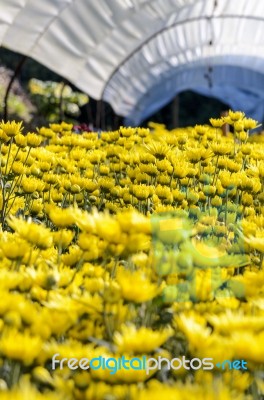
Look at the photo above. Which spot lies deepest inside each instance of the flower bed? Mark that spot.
(138, 243)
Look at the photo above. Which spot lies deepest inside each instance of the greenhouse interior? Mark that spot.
(131, 200)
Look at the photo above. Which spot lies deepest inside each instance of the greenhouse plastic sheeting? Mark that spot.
(138, 54)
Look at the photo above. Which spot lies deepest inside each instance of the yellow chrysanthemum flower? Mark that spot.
(136, 287)
(142, 340)
(37, 235)
(20, 346)
(11, 129)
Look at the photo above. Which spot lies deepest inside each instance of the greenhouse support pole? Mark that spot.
(225, 127)
(98, 114)
(89, 112)
(175, 112)
(10, 84)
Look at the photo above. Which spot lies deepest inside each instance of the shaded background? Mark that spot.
(188, 108)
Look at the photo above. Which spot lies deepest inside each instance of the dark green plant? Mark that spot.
(56, 100)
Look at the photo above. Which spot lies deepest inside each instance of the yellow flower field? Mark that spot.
(141, 242)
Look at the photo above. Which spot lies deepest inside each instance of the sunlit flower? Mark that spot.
(217, 122)
(133, 340)
(37, 235)
(18, 346)
(61, 217)
(14, 249)
(33, 140)
(136, 287)
(11, 129)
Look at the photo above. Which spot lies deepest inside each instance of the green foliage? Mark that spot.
(16, 106)
(56, 100)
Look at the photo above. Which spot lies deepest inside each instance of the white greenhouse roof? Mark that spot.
(138, 54)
